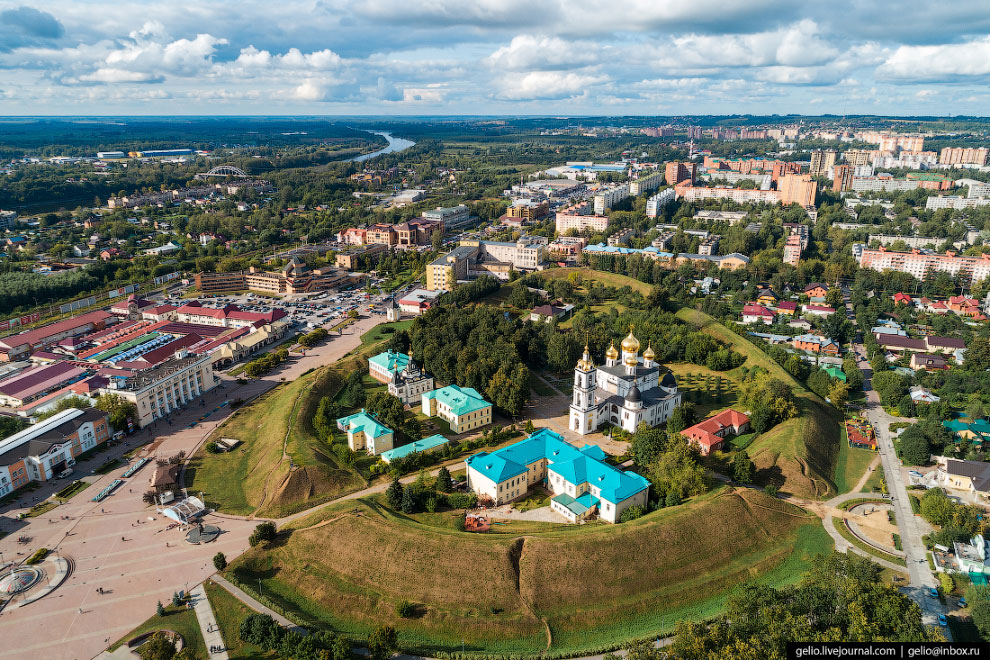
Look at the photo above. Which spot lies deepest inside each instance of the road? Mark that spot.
(921, 578)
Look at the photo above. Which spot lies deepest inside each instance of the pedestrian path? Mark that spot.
(240, 595)
(215, 649)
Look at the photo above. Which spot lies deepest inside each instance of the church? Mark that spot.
(624, 392)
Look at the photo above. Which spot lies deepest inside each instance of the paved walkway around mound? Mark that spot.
(215, 647)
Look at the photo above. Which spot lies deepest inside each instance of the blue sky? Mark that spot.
(493, 57)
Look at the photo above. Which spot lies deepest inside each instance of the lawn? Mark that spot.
(840, 525)
(607, 279)
(72, 490)
(538, 386)
(181, 620)
(536, 499)
(281, 467)
(802, 458)
(523, 579)
(851, 465)
(229, 613)
(380, 334)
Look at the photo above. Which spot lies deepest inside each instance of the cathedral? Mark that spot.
(623, 392)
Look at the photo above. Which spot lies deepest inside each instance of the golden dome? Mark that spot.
(630, 344)
(649, 354)
(612, 353)
(586, 363)
(631, 361)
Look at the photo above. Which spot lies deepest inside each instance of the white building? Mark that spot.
(169, 386)
(450, 216)
(609, 197)
(581, 481)
(658, 201)
(622, 393)
(410, 384)
(955, 202)
(646, 183)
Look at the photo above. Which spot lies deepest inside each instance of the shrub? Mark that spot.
(632, 513)
(462, 500)
(263, 533)
(219, 561)
(212, 448)
(37, 557)
(404, 609)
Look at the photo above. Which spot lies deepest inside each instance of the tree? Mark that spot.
(176, 599)
(219, 561)
(648, 444)
(562, 351)
(382, 643)
(677, 470)
(394, 494)
(388, 408)
(743, 469)
(445, 483)
(905, 407)
(263, 533)
(261, 630)
(914, 447)
(838, 393)
(936, 507)
(408, 504)
(160, 609)
(681, 417)
(120, 410)
(159, 647)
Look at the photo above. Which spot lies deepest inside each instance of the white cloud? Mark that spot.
(938, 62)
(526, 52)
(546, 85)
(112, 75)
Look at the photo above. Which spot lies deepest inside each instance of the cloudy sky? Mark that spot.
(493, 57)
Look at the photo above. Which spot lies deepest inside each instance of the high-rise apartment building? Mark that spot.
(797, 188)
(677, 172)
(842, 177)
(963, 156)
(822, 162)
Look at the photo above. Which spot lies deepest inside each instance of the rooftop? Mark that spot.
(460, 400)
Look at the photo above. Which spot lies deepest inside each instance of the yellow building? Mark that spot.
(461, 407)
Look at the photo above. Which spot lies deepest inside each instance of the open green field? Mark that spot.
(177, 619)
(851, 465)
(607, 279)
(229, 613)
(529, 588)
(379, 334)
(800, 456)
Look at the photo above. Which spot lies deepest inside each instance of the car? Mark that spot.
(941, 620)
(932, 592)
(65, 473)
(962, 602)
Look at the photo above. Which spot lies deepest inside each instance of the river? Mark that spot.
(394, 144)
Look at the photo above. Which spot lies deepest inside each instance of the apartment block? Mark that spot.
(822, 161)
(797, 188)
(675, 173)
(609, 197)
(580, 216)
(921, 264)
(963, 156)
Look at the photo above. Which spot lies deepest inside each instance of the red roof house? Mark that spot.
(710, 434)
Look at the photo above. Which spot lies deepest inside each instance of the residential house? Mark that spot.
(462, 407)
(547, 313)
(928, 362)
(903, 299)
(753, 313)
(816, 344)
(365, 432)
(767, 297)
(788, 307)
(419, 446)
(819, 310)
(816, 291)
(710, 434)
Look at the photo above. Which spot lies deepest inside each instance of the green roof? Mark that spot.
(390, 360)
(578, 506)
(460, 400)
(363, 421)
(835, 372)
(425, 444)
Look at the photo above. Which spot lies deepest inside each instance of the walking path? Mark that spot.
(215, 648)
(240, 595)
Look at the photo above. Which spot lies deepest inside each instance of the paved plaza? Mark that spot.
(121, 545)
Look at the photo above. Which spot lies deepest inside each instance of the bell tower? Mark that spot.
(583, 406)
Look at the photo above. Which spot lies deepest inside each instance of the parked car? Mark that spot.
(941, 620)
(65, 473)
(932, 592)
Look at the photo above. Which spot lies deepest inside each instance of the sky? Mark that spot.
(493, 57)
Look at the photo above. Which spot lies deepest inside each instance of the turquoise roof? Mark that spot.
(576, 466)
(461, 400)
(578, 506)
(835, 372)
(956, 425)
(363, 421)
(390, 360)
(425, 444)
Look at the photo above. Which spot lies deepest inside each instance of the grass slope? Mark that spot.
(803, 457)
(229, 613)
(276, 431)
(532, 587)
(177, 619)
(607, 279)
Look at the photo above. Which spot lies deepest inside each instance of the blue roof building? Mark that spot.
(364, 431)
(426, 444)
(581, 480)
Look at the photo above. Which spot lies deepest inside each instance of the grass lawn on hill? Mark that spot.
(379, 333)
(851, 464)
(607, 279)
(177, 619)
(807, 468)
(229, 613)
(515, 591)
(276, 431)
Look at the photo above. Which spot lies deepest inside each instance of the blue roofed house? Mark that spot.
(364, 431)
(384, 366)
(581, 481)
(462, 407)
(424, 445)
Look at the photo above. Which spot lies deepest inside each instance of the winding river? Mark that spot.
(394, 144)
